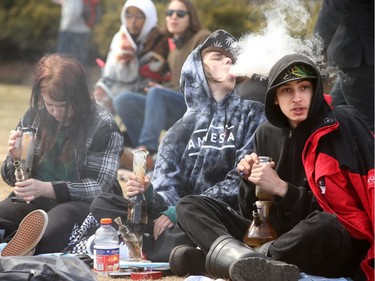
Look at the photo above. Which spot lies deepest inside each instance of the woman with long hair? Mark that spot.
(75, 156)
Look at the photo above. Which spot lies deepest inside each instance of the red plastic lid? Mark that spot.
(146, 275)
(105, 221)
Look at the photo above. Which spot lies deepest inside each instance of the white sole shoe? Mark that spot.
(28, 235)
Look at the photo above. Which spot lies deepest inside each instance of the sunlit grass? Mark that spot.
(14, 101)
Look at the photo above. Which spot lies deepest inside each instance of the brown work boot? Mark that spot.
(28, 235)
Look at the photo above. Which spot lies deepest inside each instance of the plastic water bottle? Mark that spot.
(106, 248)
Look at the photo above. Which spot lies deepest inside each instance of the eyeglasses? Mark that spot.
(179, 13)
(130, 16)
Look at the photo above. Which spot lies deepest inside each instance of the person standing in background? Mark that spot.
(145, 116)
(347, 29)
(74, 32)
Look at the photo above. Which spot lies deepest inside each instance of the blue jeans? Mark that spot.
(146, 116)
(74, 44)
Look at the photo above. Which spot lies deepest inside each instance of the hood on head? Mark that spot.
(193, 82)
(151, 17)
(221, 41)
(289, 68)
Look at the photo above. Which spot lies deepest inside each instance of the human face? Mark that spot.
(57, 109)
(135, 20)
(294, 99)
(177, 25)
(217, 66)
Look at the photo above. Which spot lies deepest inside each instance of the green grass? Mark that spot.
(14, 101)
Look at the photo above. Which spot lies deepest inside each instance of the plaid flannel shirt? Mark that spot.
(97, 162)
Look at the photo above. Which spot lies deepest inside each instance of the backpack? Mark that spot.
(46, 268)
(92, 12)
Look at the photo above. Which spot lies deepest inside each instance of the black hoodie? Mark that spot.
(328, 159)
(275, 138)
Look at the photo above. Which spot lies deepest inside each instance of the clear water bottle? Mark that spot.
(106, 248)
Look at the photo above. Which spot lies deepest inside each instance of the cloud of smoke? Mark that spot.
(257, 53)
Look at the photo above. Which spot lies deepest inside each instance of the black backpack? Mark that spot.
(45, 268)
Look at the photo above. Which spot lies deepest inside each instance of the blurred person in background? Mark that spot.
(137, 54)
(74, 32)
(347, 30)
(146, 116)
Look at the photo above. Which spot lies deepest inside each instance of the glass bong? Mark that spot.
(137, 206)
(260, 230)
(25, 142)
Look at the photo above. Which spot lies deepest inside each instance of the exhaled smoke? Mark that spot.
(257, 53)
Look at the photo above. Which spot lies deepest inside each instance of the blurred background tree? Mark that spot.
(29, 28)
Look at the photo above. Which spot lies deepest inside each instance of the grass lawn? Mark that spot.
(14, 101)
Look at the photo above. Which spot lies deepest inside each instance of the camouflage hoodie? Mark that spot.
(199, 153)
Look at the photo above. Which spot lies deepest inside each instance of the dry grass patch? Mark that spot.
(14, 101)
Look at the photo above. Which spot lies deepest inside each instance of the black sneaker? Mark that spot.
(186, 260)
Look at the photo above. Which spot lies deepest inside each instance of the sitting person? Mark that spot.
(199, 153)
(75, 157)
(146, 116)
(322, 181)
(137, 54)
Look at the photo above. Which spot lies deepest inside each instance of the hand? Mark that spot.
(31, 189)
(152, 84)
(161, 224)
(244, 166)
(266, 178)
(135, 186)
(14, 145)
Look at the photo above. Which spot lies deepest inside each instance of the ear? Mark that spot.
(276, 101)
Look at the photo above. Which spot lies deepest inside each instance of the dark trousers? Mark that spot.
(61, 219)
(108, 205)
(318, 245)
(355, 87)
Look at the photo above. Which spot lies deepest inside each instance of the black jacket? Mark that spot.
(347, 28)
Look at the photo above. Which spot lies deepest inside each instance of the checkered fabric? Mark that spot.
(80, 234)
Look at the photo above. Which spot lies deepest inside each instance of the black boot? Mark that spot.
(229, 257)
(186, 260)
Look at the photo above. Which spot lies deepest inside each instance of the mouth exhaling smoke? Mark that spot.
(257, 53)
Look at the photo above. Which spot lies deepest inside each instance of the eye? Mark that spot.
(284, 90)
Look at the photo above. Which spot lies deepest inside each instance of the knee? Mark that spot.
(122, 101)
(186, 204)
(154, 91)
(324, 225)
(154, 95)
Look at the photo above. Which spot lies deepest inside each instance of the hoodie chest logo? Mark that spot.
(213, 137)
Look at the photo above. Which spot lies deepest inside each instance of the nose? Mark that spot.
(297, 96)
(55, 111)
